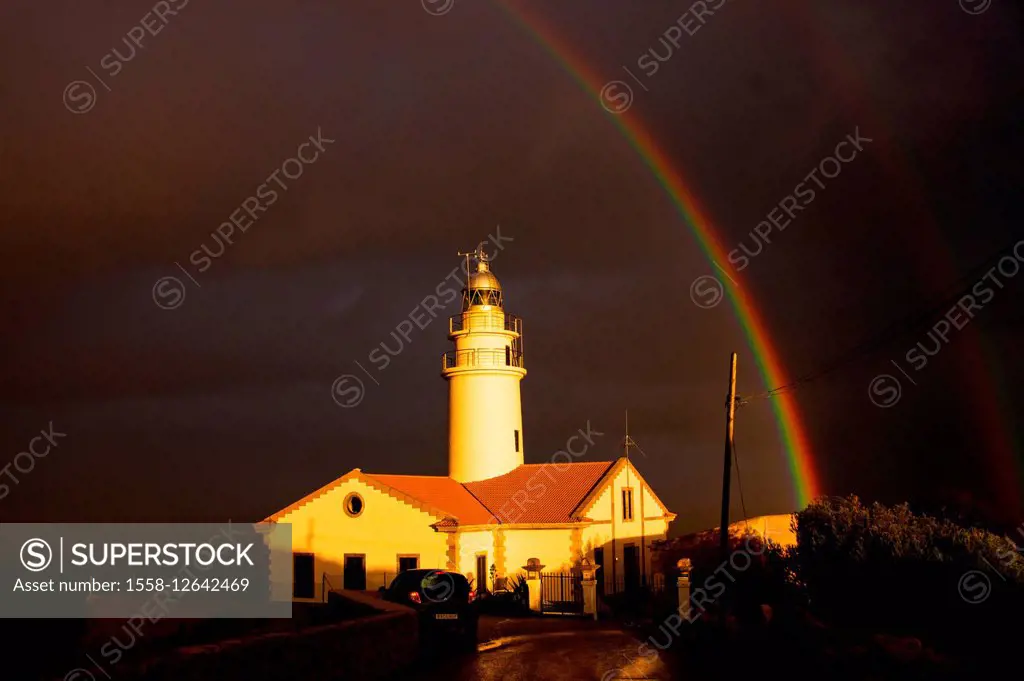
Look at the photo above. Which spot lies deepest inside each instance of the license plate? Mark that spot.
(446, 616)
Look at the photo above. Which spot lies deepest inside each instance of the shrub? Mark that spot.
(755, 572)
(514, 600)
(872, 565)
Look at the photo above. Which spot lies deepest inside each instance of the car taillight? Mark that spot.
(414, 596)
(472, 595)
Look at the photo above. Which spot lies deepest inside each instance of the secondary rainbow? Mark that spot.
(798, 452)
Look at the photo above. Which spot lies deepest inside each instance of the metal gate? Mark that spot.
(561, 592)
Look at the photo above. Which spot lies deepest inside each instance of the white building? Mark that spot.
(492, 512)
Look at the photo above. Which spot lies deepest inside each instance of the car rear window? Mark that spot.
(442, 581)
(407, 581)
(434, 585)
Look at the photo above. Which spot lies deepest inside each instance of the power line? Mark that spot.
(893, 330)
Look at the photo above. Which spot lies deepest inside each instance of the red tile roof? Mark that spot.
(531, 493)
(440, 492)
(539, 493)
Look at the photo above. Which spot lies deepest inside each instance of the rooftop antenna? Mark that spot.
(630, 442)
(625, 442)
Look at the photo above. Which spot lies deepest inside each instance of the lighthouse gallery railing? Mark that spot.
(484, 322)
(481, 357)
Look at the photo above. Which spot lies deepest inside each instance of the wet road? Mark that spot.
(547, 649)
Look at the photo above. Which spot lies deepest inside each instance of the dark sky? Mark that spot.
(442, 128)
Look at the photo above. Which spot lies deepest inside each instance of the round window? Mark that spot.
(353, 505)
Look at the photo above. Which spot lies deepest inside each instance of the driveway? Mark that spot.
(543, 648)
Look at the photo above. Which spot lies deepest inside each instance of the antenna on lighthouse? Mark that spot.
(482, 259)
(478, 254)
(466, 271)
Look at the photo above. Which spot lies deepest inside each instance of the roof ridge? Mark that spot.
(478, 500)
(597, 484)
(424, 489)
(313, 496)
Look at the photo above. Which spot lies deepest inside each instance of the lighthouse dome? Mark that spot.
(482, 287)
(483, 280)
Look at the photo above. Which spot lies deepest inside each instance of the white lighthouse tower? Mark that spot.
(485, 414)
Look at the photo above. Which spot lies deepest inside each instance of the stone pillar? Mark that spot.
(453, 551)
(683, 585)
(589, 571)
(533, 568)
(533, 584)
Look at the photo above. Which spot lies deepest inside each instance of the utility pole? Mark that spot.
(730, 407)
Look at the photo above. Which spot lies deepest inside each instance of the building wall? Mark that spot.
(386, 528)
(650, 505)
(389, 527)
(472, 544)
(611, 532)
(552, 546)
(775, 527)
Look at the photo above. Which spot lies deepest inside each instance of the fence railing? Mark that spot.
(654, 584)
(561, 592)
(644, 595)
(485, 322)
(481, 357)
(326, 587)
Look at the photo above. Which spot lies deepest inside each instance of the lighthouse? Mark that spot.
(485, 415)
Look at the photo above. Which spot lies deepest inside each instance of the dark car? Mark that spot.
(444, 600)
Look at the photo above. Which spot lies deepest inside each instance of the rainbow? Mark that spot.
(795, 441)
(981, 370)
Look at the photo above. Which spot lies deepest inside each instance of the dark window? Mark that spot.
(481, 573)
(408, 563)
(354, 505)
(302, 566)
(627, 503)
(355, 572)
(517, 440)
(631, 569)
